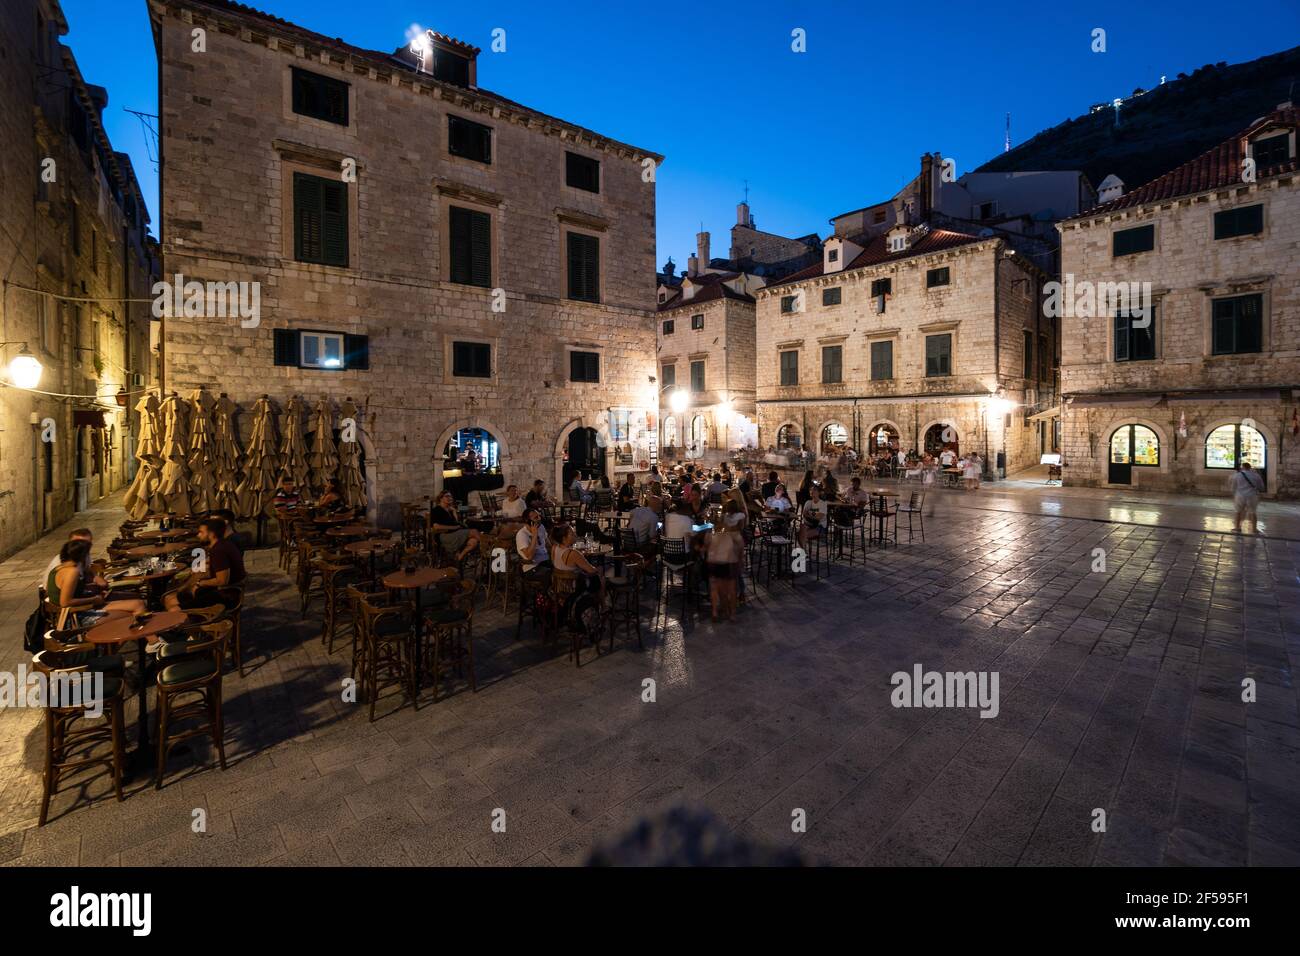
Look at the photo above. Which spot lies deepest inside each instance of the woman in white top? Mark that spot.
(679, 523)
(513, 507)
(970, 472)
(1247, 484)
(780, 501)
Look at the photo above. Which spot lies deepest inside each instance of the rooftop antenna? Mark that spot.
(746, 192)
(1006, 145)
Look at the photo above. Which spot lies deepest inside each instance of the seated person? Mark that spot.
(655, 499)
(715, 487)
(241, 539)
(814, 517)
(679, 522)
(69, 585)
(332, 499)
(779, 500)
(286, 496)
(536, 497)
(80, 534)
(769, 486)
(513, 508)
(225, 568)
(449, 531)
(830, 486)
(644, 522)
(578, 490)
(531, 543)
(627, 494)
(589, 580)
(855, 495)
(733, 515)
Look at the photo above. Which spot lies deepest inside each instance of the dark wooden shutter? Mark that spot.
(334, 223)
(584, 267)
(306, 218)
(287, 348)
(471, 247)
(356, 352)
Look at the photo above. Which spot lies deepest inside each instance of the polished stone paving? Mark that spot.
(1120, 691)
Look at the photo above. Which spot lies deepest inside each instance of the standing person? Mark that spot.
(225, 569)
(531, 542)
(723, 553)
(449, 531)
(970, 472)
(947, 457)
(1247, 486)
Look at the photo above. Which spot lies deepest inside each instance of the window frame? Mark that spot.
(792, 301)
(937, 336)
(304, 335)
(569, 166)
(669, 326)
(1236, 319)
(456, 345)
(837, 350)
(1284, 137)
(703, 381)
(574, 237)
(932, 276)
(1227, 223)
(1132, 336)
(872, 356)
(326, 185)
(782, 369)
(456, 211)
(325, 83)
(667, 377)
(1148, 228)
(585, 355)
(486, 136)
(838, 291)
(1237, 428)
(697, 326)
(1132, 444)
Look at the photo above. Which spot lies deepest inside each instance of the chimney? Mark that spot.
(692, 266)
(742, 216)
(926, 198)
(702, 249)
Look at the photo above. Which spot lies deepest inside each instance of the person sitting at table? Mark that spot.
(332, 499)
(805, 486)
(723, 553)
(588, 584)
(286, 496)
(78, 534)
(696, 502)
(769, 486)
(225, 568)
(578, 490)
(69, 585)
(644, 522)
(536, 497)
(469, 461)
(855, 495)
(778, 501)
(814, 517)
(449, 531)
(513, 508)
(715, 487)
(830, 485)
(733, 514)
(627, 493)
(239, 539)
(724, 473)
(531, 542)
(678, 523)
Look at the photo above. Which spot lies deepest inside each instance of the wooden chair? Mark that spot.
(69, 745)
(564, 589)
(915, 506)
(189, 691)
(387, 660)
(445, 627)
(624, 588)
(336, 580)
(233, 599)
(676, 563)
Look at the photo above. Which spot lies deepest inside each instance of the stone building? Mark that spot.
(464, 267)
(914, 338)
(74, 246)
(1172, 397)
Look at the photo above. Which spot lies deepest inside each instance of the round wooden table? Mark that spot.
(334, 519)
(172, 534)
(155, 580)
(117, 632)
(880, 513)
(371, 547)
(415, 581)
(156, 550)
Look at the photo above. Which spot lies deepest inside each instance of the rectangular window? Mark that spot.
(470, 247)
(832, 364)
(320, 220)
(938, 355)
(878, 216)
(833, 256)
(1272, 150)
(1127, 242)
(469, 140)
(790, 367)
(322, 350)
(471, 360)
(449, 67)
(697, 322)
(584, 267)
(94, 251)
(881, 287)
(1027, 352)
(584, 366)
(669, 326)
(1242, 221)
(320, 97)
(668, 378)
(75, 226)
(1045, 356)
(582, 172)
(882, 361)
(831, 296)
(936, 277)
(1135, 336)
(329, 351)
(47, 322)
(697, 376)
(1238, 325)
(789, 303)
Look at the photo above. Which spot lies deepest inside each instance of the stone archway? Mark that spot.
(557, 490)
(451, 430)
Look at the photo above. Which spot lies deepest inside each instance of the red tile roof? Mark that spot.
(876, 251)
(1213, 169)
(711, 292)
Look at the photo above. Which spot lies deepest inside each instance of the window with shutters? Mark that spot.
(1241, 221)
(697, 322)
(881, 287)
(832, 364)
(320, 97)
(1027, 352)
(75, 226)
(584, 366)
(697, 376)
(469, 140)
(668, 377)
(449, 67)
(584, 267)
(471, 359)
(1271, 150)
(582, 172)
(1238, 325)
(1135, 335)
(832, 296)
(790, 367)
(669, 326)
(1128, 242)
(324, 351)
(938, 355)
(882, 361)
(320, 220)
(321, 350)
(789, 303)
(937, 277)
(470, 244)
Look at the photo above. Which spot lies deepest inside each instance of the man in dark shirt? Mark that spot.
(225, 568)
(769, 486)
(536, 497)
(627, 494)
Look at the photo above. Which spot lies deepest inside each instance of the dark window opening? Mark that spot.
(1127, 242)
(320, 97)
(471, 247)
(584, 367)
(320, 216)
(469, 140)
(471, 360)
(582, 172)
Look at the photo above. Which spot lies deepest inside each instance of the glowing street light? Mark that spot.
(24, 369)
(678, 401)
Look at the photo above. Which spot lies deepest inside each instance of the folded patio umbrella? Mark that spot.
(225, 453)
(350, 477)
(256, 493)
(324, 459)
(175, 485)
(293, 450)
(201, 461)
(142, 498)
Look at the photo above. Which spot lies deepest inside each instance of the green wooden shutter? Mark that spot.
(471, 247)
(306, 218)
(584, 267)
(334, 223)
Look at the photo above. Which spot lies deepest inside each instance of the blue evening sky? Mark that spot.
(717, 89)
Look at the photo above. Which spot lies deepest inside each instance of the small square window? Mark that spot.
(697, 322)
(669, 326)
(789, 303)
(881, 287)
(469, 140)
(584, 366)
(322, 350)
(936, 277)
(471, 360)
(320, 97)
(1128, 242)
(831, 296)
(833, 255)
(1271, 150)
(582, 172)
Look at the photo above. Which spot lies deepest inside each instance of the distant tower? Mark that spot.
(1006, 145)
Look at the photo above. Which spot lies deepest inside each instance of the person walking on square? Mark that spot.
(1247, 486)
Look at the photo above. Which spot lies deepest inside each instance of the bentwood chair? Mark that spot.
(914, 508)
(624, 588)
(72, 736)
(677, 565)
(388, 660)
(233, 599)
(446, 627)
(565, 593)
(189, 693)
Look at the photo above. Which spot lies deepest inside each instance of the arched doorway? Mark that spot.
(1132, 446)
(788, 438)
(670, 432)
(941, 436)
(697, 440)
(471, 462)
(882, 437)
(1227, 446)
(582, 452)
(833, 438)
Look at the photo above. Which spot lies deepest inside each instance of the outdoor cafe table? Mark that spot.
(371, 547)
(172, 534)
(334, 519)
(155, 580)
(117, 632)
(351, 531)
(415, 581)
(952, 475)
(878, 508)
(156, 550)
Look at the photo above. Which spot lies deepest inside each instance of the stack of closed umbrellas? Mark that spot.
(143, 497)
(293, 450)
(324, 459)
(256, 494)
(350, 478)
(225, 453)
(175, 484)
(202, 457)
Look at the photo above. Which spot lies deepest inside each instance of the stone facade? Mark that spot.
(232, 142)
(74, 245)
(988, 307)
(1185, 382)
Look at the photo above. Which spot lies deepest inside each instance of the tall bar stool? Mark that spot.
(624, 589)
(68, 746)
(189, 692)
